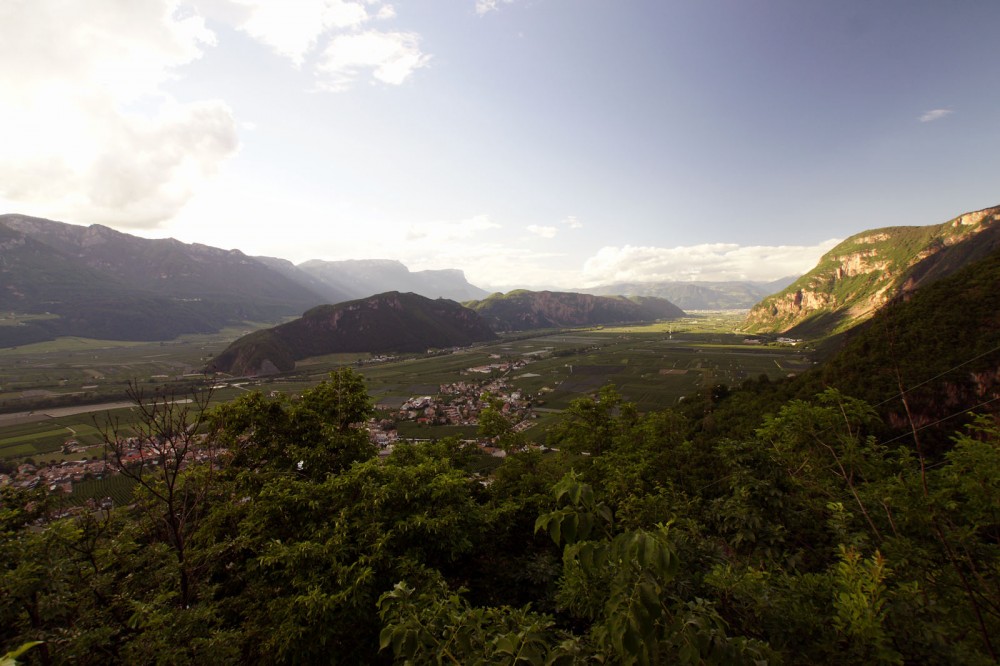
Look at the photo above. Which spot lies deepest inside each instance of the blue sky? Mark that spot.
(548, 143)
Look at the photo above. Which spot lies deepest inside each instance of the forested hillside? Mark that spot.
(846, 516)
(389, 322)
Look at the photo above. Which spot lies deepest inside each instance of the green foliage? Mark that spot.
(593, 425)
(440, 627)
(802, 540)
(318, 434)
(495, 426)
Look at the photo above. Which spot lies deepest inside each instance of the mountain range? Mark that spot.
(697, 295)
(524, 310)
(100, 283)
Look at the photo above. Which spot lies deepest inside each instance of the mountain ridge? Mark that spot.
(523, 309)
(97, 282)
(388, 322)
(697, 294)
(863, 273)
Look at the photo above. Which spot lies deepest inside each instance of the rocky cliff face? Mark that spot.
(867, 270)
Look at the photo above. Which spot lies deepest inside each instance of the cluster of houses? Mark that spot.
(60, 476)
(458, 403)
(57, 477)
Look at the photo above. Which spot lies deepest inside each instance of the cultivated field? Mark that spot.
(653, 366)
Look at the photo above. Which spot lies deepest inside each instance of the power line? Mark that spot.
(958, 413)
(927, 381)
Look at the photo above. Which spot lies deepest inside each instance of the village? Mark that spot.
(60, 476)
(456, 404)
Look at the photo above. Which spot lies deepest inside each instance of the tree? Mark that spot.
(593, 425)
(154, 451)
(320, 433)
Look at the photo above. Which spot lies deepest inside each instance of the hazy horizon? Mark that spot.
(529, 143)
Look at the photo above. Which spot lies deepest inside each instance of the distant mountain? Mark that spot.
(358, 278)
(389, 322)
(866, 271)
(524, 310)
(96, 282)
(330, 293)
(102, 283)
(697, 295)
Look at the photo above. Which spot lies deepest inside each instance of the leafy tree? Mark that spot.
(311, 437)
(164, 438)
(593, 425)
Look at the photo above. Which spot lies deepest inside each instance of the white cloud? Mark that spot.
(487, 6)
(572, 222)
(935, 114)
(390, 56)
(330, 30)
(292, 29)
(714, 262)
(88, 134)
(544, 232)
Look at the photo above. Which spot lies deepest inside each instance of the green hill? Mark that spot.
(524, 310)
(389, 322)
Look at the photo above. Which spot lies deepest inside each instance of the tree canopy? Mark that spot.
(640, 539)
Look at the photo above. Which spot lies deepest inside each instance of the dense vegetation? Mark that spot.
(641, 540)
(833, 518)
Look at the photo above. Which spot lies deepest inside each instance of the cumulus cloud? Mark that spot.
(572, 222)
(331, 32)
(935, 114)
(710, 261)
(391, 57)
(544, 232)
(293, 29)
(87, 132)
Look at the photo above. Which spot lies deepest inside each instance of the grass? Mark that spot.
(652, 366)
(18, 319)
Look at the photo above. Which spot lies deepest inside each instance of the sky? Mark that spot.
(530, 143)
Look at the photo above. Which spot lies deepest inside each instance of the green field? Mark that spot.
(653, 366)
(118, 487)
(18, 319)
